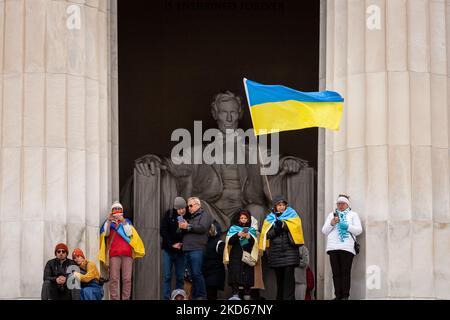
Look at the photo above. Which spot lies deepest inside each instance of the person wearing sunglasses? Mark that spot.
(195, 237)
(56, 277)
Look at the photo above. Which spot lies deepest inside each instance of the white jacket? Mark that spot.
(332, 233)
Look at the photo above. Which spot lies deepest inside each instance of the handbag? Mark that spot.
(248, 259)
(357, 246)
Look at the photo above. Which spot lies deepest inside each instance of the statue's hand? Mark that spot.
(292, 165)
(148, 165)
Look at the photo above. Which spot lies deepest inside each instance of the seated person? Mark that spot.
(56, 277)
(91, 289)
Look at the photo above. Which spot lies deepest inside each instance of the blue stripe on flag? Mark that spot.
(260, 93)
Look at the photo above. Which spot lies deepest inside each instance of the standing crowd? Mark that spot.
(200, 257)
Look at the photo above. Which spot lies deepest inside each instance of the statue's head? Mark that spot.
(227, 110)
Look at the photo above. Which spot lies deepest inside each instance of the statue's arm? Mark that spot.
(148, 164)
(291, 165)
(276, 183)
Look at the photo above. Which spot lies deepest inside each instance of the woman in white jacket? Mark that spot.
(339, 227)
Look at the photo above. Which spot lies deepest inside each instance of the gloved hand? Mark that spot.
(343, 225)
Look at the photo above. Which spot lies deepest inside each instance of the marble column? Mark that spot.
(58, 133)
(389, 60)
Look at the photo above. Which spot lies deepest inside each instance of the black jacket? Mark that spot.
(169, 230)
(54, 269)
(240, 273)
(213, 268)
(197, 237)
(282, 252)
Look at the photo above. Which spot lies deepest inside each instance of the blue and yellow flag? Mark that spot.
(231, 232)
(276, 108)
(135, 242)
(293, 222)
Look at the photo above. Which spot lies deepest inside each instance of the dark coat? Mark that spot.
(169, 231)
(196, 237)
(53, 291)
(240, 273)
(213, 268)
(281, 252)
(54, 269)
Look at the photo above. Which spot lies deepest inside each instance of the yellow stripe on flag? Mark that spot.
(293, 115)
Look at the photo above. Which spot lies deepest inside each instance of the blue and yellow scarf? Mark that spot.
(234, 229)
(135, 242)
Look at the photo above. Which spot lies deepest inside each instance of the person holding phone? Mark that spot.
(241, 238)
(340, 227)
(195, 237)
(172, 254)
(120, 244)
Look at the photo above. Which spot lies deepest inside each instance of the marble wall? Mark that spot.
(389, 60)
(58, 133)
(59, 138)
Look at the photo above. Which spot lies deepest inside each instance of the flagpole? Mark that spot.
(259, 150)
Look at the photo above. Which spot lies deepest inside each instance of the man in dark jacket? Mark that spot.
(283, 253)
(171, 246)
(195, 237)
(57, 284)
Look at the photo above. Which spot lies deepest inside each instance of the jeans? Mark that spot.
(92, 291)
(171, 259)
(194, 261)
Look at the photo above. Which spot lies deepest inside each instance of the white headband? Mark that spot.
(116, 204)
(343, 199)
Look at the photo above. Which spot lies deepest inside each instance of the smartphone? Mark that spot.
(335, 214)
(245, 230)
(180, 219)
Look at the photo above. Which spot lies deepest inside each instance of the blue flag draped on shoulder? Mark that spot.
(276, 108)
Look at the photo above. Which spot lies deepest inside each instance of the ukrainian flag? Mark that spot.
(293, 222)
(231, 232)
(276, 108)
(135, 242)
